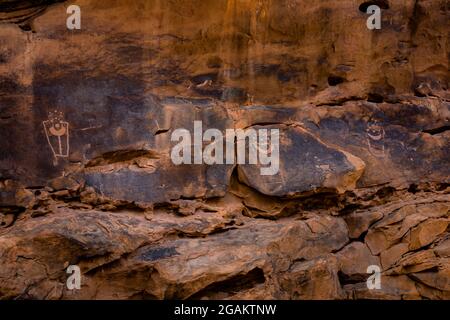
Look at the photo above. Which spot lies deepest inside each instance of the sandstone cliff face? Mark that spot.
(364, 149)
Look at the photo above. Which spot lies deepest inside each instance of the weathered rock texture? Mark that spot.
(364, 120)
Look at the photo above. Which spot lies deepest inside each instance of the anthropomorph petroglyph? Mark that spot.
(57, 133)
(375, 139)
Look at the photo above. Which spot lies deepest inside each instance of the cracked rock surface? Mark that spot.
(364, 170)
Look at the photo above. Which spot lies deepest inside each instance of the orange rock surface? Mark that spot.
(364, 172)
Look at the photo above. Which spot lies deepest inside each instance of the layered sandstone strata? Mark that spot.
(364, 149)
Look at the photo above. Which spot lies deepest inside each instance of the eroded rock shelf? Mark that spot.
(364, 118)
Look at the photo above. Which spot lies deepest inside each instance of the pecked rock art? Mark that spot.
(375, 139)
(57, 133)
(364, 150)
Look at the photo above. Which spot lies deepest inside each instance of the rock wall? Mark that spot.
(363, 116)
